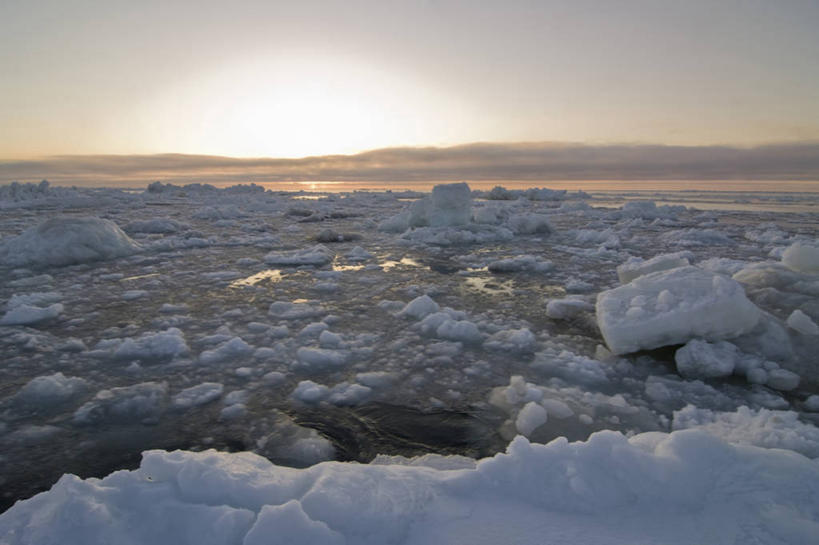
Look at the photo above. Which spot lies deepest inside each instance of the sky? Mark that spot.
(296, 79)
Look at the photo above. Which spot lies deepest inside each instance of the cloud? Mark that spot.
(481, 161)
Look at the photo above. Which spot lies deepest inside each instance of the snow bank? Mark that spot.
(651, 488)
(65, 241)
(673, 307)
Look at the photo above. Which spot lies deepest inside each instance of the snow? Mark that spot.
(65, 241)
(658, 487)
(673, 307)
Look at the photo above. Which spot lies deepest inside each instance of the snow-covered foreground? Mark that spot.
(676, 347)
(685, 487)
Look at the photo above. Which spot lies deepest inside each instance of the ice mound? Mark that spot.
(317, 256)
(673, 307)
(802, 257)
(66, 241)
(762, 428)
(637, 266)
(659, 488)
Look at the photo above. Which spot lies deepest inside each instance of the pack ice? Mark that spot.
(672, 307)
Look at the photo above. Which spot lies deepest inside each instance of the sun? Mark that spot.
(297, 107)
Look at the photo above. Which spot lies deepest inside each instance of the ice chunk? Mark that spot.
(673, 307)
(141, 402)
(529, 224)
(320, 359)
(701, 359)
(161, 346)
(530, 417)
(520, 263)
(801, 322)
(310, 392)
(802, 257)
(27, 314)
(512, 340)
(285, 310)
(50, 390)
(459, 330)
(65, 241)
(782, 379)
(564, 309)
(448, 205)
(197, 395)
(636, 266)
(420, 307)
(317, 256)
(235, 348)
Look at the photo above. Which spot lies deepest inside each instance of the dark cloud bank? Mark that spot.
(486, 161)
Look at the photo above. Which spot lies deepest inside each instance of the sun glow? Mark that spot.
(289, 108)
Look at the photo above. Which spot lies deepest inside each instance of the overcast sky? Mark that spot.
(295, 79)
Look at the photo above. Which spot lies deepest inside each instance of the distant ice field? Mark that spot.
(380, 326)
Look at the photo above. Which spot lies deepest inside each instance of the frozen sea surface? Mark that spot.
(349, 326)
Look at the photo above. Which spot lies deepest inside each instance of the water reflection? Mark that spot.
(405, 261)
(274, 275)
(490, 285)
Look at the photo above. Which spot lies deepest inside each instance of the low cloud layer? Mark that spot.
(485, 161)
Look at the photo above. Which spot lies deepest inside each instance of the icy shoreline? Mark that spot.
(243, 319)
